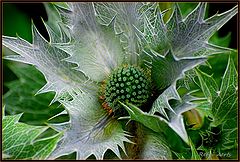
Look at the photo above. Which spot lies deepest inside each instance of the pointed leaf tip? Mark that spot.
(167, 70)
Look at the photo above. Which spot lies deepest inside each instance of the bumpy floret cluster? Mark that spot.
(127, 84)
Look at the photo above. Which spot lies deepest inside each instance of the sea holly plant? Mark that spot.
(115, 68)
(220, 136)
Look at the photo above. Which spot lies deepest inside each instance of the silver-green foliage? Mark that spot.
(99, 37)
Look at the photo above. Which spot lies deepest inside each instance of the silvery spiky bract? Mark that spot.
(88, 41)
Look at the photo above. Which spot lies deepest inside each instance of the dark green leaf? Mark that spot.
(156, 124)
(21, 96)
(19, 140)
(225, 105)
(208, 85)
(150, 121)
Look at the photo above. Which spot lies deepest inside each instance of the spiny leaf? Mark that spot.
(223, 104)
(126, 18)
(49, 60)
(208, 85)
(161, 103)
(19, 140)
(152, 33)
(90, 131)
(167, 70)
(58, 33)
(188, 79)
(21, 96)
(139, 25)
(189, 36)
(176, 118)
(53, 20)
(224, 100)
(95, 48)
(174, 114)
